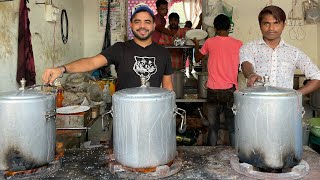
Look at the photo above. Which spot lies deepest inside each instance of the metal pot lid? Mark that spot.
(24, 94)
(268, 91)
(143, 92)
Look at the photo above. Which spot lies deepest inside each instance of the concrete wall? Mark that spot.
(47, 45)
(94, 36)
(317, 38)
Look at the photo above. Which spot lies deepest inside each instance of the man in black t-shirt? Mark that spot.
(133, 59)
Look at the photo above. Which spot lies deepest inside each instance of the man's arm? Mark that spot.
(167, 82)
(200, 22)
(78, 66)
(310, 70)
(197, 54)
(164, 30)
(248, 72)
(310, 87)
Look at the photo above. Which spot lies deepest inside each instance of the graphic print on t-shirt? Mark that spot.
(145, 66)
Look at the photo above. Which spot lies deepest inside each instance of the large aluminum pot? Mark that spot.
(27, 129)
(268, 126)
(178, 83)
(144, 126)
(315, 99)
(202, 84)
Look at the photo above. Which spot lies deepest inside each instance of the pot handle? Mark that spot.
(183, 115)
(42, 86)
(205, 85)
(50, 114)
(234, 109)
(102, 116)
(303, 111)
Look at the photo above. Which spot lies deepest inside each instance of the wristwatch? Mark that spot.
(63, 70)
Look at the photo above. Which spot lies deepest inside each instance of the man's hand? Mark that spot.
(195, 41)
(197, 54)
(252, 78)
(51, 74)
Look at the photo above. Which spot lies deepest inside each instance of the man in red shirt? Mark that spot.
(176, 54)
(223, 64)
(162, 11)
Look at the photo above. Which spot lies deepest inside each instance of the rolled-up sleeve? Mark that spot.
(305, 64)
(204, 49)
(247, 54)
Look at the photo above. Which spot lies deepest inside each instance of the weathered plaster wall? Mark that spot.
(8, 36)
(48, 48)
(94, 36)
(318, 40)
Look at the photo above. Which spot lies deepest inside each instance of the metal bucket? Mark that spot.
(268, 126)
(202, 84)
(315, 99)
(27, 129)
(178, 83)
(144, 126)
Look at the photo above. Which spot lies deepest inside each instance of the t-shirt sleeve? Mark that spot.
(163, 39)
(204, 49)
(246, 54)
(168, 66)
(110, 53)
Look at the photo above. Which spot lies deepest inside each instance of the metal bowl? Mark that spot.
(197, 68)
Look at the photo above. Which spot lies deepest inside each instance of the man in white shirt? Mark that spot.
(273, 57)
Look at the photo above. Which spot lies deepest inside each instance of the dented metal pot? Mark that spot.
(202, 84)
(268, 126)
(144, 126)
(27, 129)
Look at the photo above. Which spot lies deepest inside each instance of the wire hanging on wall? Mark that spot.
(296, 21)
(63, 35)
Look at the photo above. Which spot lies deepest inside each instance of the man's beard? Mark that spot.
(174, 27)
(141, 38)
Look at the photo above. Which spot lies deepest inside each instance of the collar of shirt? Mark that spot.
(262, 42)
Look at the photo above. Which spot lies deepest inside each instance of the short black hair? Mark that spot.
(160, 2)
(174, 15)
(221, 22)
(188, 24)
(275, 11)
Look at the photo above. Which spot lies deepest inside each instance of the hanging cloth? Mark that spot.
(105, 70)
(107, 34)
(26, 67)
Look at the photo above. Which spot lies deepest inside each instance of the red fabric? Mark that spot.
(159, 20)
(170, 3)
(176, 54)
(26, 67)
(223, 62)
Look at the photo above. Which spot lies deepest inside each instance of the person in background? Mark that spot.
(133, 59)
(223, 64)
(188, 24)
(162, 11)
(272, 56)
(199, 25)
(176, 54)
